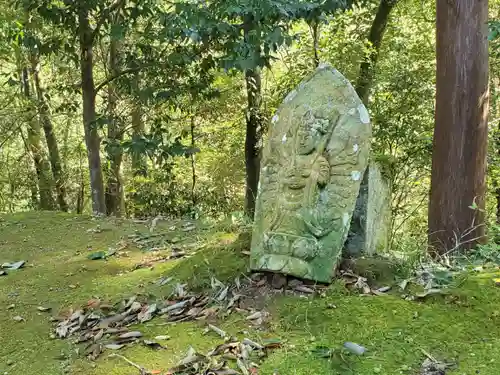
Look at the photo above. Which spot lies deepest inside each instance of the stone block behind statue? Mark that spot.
(311, 170)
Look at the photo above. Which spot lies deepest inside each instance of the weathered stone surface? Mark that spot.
(371, 220)
(311, 172)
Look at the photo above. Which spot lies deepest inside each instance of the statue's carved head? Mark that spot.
(310, 132)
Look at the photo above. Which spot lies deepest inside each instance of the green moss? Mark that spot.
(462, 326)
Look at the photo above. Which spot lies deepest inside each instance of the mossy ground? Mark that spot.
(464, 327)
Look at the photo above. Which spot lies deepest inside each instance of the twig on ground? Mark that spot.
(428, 355)
(217, 330)
(141, 369)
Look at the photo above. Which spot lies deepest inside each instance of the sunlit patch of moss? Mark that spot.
(59, 275)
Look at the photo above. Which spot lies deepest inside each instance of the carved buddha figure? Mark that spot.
(311, 169)
(297, 225)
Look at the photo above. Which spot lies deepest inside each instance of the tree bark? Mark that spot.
(114, 190)
(45, 117)
(377, 31)
(193, 164)
(92, 139)
(35, 146)
(80, 199)
(252, 139)
(139, 165)
(460, 135)
(315, 33)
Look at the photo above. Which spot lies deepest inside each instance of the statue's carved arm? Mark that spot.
(317, 222)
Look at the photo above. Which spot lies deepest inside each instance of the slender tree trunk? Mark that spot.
(253, 138)
(193, 164)
(139, 165)
(80, 198)
(92, 139)
(494, 110)
(35, 203)
(315, 33)
(460, 135)
(497, 190)
(114, 190)
(45, 117)
(254, 127)
(377, 30)
(35, 146)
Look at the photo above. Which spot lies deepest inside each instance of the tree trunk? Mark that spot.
(114, 190)
(92, 139)
(80, 198)
(252, 140)
(45, 117)
(494, 95)
(315, 33)
(139, 165)
(458, 185)
(377, 30)
(35, 146)
(193, 165)
(497, 190)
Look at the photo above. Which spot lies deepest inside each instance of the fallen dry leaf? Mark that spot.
(162, 338)
(153, 344)
(14, 266)
(146, 314)
(132, 334)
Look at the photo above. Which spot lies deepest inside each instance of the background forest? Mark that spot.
(130, 140)
(147, 107)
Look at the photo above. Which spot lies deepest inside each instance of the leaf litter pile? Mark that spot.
(99, 327)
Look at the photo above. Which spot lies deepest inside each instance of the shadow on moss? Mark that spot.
(224, 262)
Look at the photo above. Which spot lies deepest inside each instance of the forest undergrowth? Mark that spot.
(397, 325)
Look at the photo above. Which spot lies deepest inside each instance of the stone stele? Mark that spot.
(371, 220)
(311, 170)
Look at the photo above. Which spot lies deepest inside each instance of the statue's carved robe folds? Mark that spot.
(311, 172)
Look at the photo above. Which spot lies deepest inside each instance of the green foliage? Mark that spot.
(182, 64)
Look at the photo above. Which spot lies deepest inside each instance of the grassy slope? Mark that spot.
(393, 330)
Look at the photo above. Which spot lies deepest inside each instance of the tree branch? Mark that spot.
(107, 81)
(104, 15)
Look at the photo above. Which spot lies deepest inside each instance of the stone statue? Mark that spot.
(311, 172)
(371, 220)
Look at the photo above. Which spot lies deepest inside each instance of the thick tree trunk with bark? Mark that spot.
(114, 190)
(92, 139)
(458, 186)
(45, 117)
(35, 146)
(377, 30)
(253, 138)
